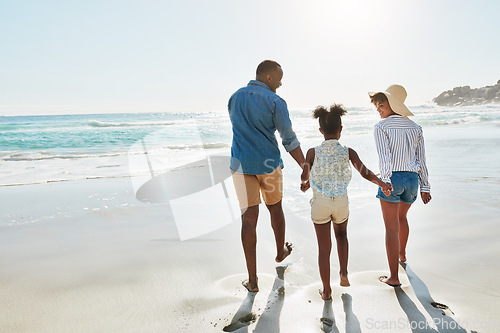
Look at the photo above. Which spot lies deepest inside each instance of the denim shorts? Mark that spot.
(405, 188)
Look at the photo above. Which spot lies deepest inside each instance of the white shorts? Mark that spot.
(325, 209)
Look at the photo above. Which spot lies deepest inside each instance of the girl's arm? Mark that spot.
(366, 173)
(306, 171)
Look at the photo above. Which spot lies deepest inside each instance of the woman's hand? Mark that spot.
(426, 197)
(386, 188)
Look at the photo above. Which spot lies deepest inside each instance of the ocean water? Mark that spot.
(39, 149)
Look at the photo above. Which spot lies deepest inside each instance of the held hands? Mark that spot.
(304, 185)
(426, 197)
(386, 188)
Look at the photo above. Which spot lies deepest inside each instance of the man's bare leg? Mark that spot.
(390, 214)
(249, 241)
(404, 230)
(278, 224)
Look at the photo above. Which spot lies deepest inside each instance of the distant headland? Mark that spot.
(463, 96)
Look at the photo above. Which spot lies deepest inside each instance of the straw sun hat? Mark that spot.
(396, 96)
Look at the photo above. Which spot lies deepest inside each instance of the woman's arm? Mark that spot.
(384, 154)
(423, 174)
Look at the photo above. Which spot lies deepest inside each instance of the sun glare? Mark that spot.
(344, 19)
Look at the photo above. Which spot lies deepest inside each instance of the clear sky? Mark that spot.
(98, 56)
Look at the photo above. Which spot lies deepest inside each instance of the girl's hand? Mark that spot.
(386, 188)
(304, 186)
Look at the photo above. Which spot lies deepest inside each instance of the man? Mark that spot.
(256, 113)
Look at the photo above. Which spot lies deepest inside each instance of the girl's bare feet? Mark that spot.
(344, 281)
(325, 295)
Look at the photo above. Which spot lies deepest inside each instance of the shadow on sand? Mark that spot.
(269, 319)
(244, 316)
(438, 312)
(328, 324)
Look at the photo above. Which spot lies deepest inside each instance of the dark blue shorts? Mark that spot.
(405, 188)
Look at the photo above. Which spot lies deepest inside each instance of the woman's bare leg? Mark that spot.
(404, 230)
(390, 211)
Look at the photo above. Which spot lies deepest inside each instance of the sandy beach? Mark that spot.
(87, 256)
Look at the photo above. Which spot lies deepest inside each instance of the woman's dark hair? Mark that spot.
(379, 98)
(329, 119)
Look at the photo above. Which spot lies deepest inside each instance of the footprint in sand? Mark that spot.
(281, 270)
(326, 321)
(442, 307)
(246, 320)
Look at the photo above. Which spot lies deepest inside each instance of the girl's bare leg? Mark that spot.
(323, 234)
(343, 251)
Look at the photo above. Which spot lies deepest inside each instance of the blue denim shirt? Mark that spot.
(256, 113)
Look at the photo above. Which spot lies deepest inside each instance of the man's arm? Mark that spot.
(306, 170)
(298, 156)
(284, 126)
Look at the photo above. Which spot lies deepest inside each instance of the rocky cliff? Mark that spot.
(467, 96)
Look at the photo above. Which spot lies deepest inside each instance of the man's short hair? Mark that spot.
(266, 67)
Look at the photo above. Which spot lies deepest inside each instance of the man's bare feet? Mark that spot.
(344, 281)
(249, 287)
(287, 250)
(389, 281)
(325, 295)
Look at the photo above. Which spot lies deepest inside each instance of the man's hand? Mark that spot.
(304, 186)
(426, 197)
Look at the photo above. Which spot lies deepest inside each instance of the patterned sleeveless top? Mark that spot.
(331, 171)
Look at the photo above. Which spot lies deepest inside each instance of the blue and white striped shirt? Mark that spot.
(400, 147)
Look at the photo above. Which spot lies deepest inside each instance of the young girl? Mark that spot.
(400, 147)
(330, 173)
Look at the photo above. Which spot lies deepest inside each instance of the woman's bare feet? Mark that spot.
(344, 281)
(251, 288)
(326, 295)
(287, 250)
(389, 281)
(402, 257)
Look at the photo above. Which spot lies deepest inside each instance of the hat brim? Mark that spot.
(396, 105)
